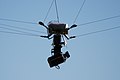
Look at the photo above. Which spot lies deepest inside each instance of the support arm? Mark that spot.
(41, 23)
(73, 26)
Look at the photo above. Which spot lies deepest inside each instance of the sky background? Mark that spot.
(93, 57)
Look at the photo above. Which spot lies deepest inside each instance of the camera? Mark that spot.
(57, 59)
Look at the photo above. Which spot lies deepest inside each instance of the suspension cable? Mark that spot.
(56, 10)
(10, 26)
(98, 20)
(5, 19)
(19, 33)
(14, 31)
(79, 11)
(78, 36)
(49, 10)
(99, 31)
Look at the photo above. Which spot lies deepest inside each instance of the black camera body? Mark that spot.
(55, 60)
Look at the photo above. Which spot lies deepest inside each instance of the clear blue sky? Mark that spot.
(93, 57)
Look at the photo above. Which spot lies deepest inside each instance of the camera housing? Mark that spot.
(55, 60)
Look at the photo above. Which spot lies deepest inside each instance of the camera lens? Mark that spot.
(67, 55)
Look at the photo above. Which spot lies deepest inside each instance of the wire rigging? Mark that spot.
(19, 33)
(22, 28)
(49, 10)
(5, 19)
(17, 30)
(104, 19)
(57, 14)
(99, 31)
(36, 35)
(56, 10)
(79, 11)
